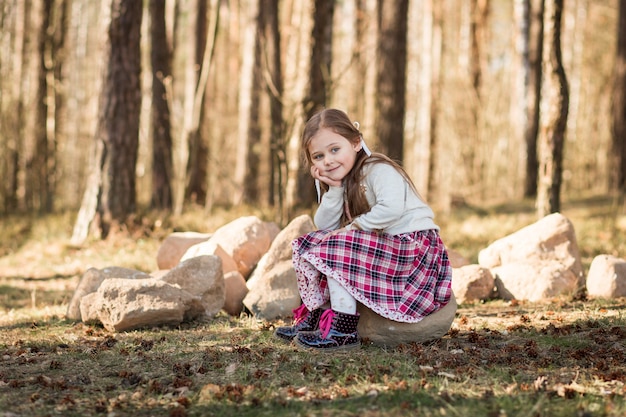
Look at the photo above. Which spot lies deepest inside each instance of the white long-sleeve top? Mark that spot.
(395, 208)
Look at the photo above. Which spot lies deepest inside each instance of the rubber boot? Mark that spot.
(303, 321)
(337, 331)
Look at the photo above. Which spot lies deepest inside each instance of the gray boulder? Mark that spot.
(382, 331)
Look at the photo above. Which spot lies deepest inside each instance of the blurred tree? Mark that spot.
(251, 191)
(160, 58)
(272, 76)
(533, 49)
(391, 59)
(319, 80)
(321, 57)
(617, 155)
(478, 62)
(110, 193)
(434, 52)
(198, 144)
(42, 175)
(20, 134)
(297, 21)
(249, 15)
(554, 109)
(485, 162)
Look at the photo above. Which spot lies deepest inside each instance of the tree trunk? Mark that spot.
(11, 105)
(435, 92)
(26, 124)
(272, 68)
(321, 57)
(185, 84)
(160, 59)
(40, 178)
(554, 108)
(57, 93)
(198, 147)
(251, 184)
(617, 156)
(212, 143)
(296, 58)
(479, 13)
(391, 76)
(111, 191)
(249, 10)
(532, 65)
(479, 46)
(319, 80)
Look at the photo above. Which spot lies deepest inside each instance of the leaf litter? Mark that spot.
(497, 359)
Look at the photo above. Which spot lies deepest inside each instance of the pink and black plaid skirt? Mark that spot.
(401, 277)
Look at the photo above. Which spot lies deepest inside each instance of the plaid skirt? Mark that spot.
(401, 277)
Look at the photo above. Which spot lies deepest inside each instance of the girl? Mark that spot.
(376, 244)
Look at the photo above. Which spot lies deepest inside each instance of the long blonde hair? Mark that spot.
(339, 122)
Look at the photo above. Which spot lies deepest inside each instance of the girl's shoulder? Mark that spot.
(379, 168)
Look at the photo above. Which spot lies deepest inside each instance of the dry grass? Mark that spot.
(557, 358)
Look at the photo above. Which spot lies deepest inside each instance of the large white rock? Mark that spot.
(235, 290)
(273, 289)
(124, 304)
(534, 281)
(211, 248)
(280, 249)
(202, 277)
(607, 277)
(539, 261)
(246, 240)
(91, 280)
(175, 245)
(194, 289)
(472, 283)
(276, 294)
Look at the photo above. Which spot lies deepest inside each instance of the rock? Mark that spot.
(246, 240)
(89, 308)
(472, 283)
(534, 282)
(273, 288)
(91, 280)
(193, 289)
(276, 294)
(540, 261)
(125, 304)
(607, 277)
(235, 292)
(456, 259)
(280, 249)
(175, 245)
(202, 277)
(211, 248)
(382, 331)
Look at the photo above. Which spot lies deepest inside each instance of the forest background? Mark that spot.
(142, 112)
(110, 106)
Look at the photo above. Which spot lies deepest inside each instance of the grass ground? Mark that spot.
(562, 357)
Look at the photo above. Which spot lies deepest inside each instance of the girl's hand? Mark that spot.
(316, 174)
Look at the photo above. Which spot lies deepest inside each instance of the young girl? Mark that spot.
(376, 244)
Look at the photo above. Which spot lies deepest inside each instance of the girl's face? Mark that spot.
(332, 155)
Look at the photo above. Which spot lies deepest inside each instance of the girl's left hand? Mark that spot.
(317, 174)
